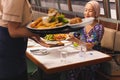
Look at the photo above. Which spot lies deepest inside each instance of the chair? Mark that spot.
(117, 48)
(107, 42)
(110, 44)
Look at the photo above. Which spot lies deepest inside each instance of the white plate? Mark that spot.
(84, 22)
(55, 42)
(44, 19)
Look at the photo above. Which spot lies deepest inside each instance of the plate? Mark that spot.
(47, 30)
(28, 26)
(45, 19)
(84, 22)
(62, 29)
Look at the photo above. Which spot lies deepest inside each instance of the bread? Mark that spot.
(75, 20)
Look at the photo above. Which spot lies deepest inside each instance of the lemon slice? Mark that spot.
(75, 44)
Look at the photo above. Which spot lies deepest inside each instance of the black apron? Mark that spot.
(12, 55)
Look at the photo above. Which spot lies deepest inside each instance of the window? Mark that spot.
(108, 8)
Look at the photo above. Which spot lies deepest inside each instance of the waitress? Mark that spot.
(14, 16)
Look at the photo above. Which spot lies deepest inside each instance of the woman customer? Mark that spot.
(91, 34)
(14, 16)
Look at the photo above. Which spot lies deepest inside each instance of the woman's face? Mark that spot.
(89, 11)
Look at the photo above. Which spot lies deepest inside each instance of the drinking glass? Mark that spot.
(83, 50)
(63, 56)
(83, 47)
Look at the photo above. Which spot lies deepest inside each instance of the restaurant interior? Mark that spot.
(50, 62)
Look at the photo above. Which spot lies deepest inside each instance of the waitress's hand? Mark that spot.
(36, 38)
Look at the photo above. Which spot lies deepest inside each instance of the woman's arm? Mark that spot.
(88, 45)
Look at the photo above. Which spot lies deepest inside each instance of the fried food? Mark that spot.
(58, 37)
(36, 22)
(39, 24)
(75, 20)
(49, 21)
(59, 24)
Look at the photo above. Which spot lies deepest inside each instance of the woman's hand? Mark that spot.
(73, 39)
(89, 46)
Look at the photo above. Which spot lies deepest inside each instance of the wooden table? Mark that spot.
(51, 62)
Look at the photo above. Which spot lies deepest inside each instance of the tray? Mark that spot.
(48, 30)
(62, 29)
(65, 29)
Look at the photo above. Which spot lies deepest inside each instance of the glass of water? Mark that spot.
(83, 50)
(63, 56)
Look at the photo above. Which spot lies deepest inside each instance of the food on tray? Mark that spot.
(60, 36)
(52, 12)
(54, 19)
(75, 20)
(36, 22)
(56, 37)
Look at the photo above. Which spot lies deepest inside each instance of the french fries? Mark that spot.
(36, 22)
(44, 25)
(50, 21)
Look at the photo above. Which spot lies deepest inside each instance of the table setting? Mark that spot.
(60, 58)
(56, 52)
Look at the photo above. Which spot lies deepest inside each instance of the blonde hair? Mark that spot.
(96, 7)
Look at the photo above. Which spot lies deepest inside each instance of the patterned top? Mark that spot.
(94, 36)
